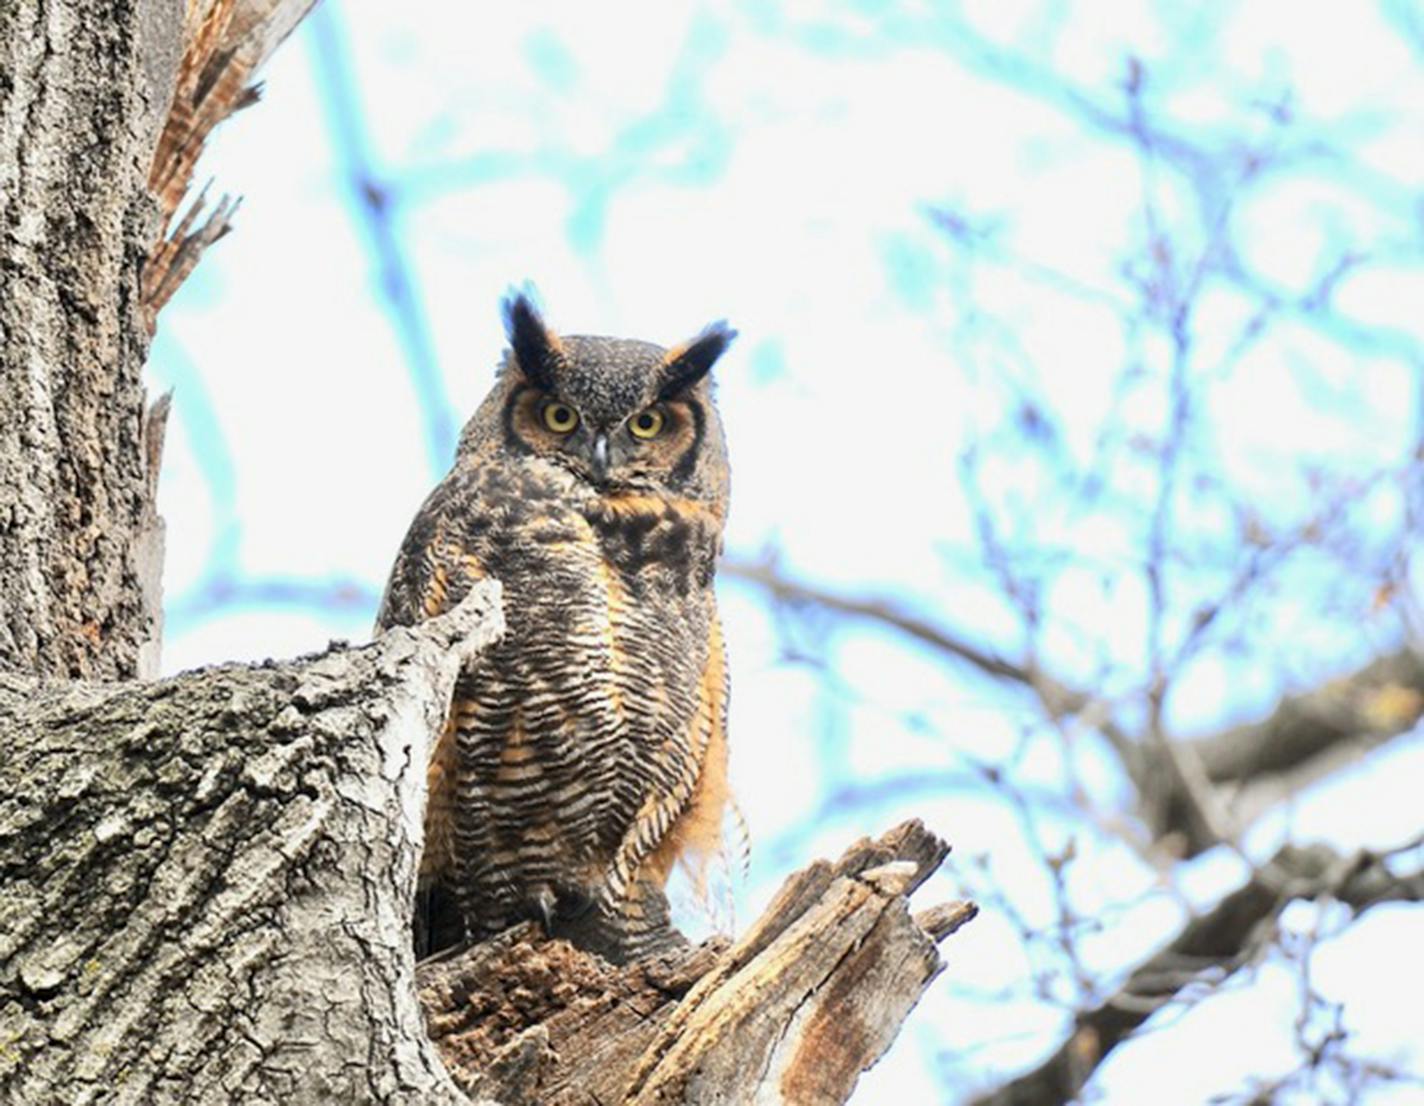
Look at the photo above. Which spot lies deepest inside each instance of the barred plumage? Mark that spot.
(586, 752)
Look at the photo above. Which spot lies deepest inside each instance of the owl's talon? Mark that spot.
(544, 904)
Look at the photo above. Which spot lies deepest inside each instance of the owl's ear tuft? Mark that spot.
(535, 347)
(685, 365)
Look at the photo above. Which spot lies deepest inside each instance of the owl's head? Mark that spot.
(620, 414)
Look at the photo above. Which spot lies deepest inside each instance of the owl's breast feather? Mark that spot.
(678, 536)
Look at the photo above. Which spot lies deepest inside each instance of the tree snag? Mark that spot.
(793, 1011)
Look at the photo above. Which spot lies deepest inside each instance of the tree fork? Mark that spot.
(207, 886)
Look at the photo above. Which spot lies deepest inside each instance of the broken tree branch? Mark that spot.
(205, 881)
(793, 1012)
(224, 43)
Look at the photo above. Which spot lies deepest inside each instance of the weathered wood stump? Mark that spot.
(793, 1012)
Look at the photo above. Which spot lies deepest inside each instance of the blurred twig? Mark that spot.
(373, 203)
(1208, 949)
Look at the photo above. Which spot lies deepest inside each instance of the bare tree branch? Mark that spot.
(1207, 950)
(1064, 700)
(1306, 737)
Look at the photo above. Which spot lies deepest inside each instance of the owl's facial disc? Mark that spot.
(619, 414)
(614, 450)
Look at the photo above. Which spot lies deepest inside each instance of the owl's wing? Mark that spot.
(696, 836)
(434, 569)
(682, 821)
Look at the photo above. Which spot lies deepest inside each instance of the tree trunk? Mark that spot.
(84, 90)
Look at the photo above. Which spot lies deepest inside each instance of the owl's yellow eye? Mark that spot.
(646, 424)
(560, 417)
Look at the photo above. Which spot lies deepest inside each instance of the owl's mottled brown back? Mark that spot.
(586, 753)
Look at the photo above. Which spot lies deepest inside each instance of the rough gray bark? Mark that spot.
(84, 90)
(206, 881)
(91, 140)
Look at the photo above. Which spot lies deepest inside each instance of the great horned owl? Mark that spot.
(585, 753)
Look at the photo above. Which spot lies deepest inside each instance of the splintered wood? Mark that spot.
(809, 998)
(224, 43)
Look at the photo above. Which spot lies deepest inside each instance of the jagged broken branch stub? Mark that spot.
(207, 879)
(793, 1011)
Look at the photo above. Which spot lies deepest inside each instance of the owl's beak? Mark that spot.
(600, 457)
